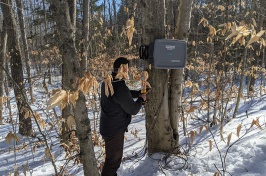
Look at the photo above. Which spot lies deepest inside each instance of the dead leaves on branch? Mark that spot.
(108, 85)
(238, 32)
(255, 37)
(129, 30)
(243, 31)
(256, 123)
(142, 77)
(204, 21)
(58, 99)
(122, 72)
(88, 83)
(12, 136)
(62, 98)
(144, 83)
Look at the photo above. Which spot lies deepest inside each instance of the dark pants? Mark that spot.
(114, 152)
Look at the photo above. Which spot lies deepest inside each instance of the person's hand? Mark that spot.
(148, 90)
(143, 96)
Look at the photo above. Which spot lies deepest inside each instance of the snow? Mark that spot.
(244, 156)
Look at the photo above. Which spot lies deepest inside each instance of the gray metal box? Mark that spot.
(169, 54)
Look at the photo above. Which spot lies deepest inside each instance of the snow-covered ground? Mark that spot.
(245, 155)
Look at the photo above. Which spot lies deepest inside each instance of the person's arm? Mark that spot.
(125, 99)
(135, 93)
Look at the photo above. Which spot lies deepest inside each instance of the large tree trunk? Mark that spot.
(158, 125)
(25, 125)
(25, 44)
(72, 69)
(181, 33)
(2, 65)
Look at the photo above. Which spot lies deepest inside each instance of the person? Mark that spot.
(115, 116)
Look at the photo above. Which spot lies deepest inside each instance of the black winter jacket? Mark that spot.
(116, 110)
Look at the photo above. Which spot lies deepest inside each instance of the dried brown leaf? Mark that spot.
(229, 138)
(27, 114)
(42, 123)
(206, 127)
(201, 128)
(204, 21)
(254, 22)
(192, 135)
(210, 145)
(16, 173)
(212, 31)
(256, 122)
(70, 121)
(73, 97)
(108, 85)
(216, 174)
(25, 168)
(188, 84)
(56, 99)
(51, 126)
(9, 137)
(192, 109)
(64, 101)
(37, 115)
(47, 153)
(34, 149)
(238, 130)
(234, 31)
(135, 6)
(256, 37)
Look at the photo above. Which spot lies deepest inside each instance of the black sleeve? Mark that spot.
(123, 97)
(135, 93)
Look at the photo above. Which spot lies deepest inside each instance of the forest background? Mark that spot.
(55, 53)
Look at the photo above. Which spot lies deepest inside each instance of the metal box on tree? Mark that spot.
(169, 54)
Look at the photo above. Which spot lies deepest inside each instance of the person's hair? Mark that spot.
(119, 61)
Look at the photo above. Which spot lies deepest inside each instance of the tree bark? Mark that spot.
(25, 124)
(85, 36)
(158, 125)
(2, 65)
(25, 44)
(72, 69)
(84, 135)
(49, 75)
(176, 89)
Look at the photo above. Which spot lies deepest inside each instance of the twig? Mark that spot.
(34, 116)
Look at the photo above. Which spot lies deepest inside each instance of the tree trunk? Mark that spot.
(85, 35)
(25, 44)
(176, 89)
(240, 89)
(72, 69)
(25, 125)
(261, 18)
(72, 4)
(110, 13)
(158, 125)
(115, 24)
(84, 135)
(49, 75)
(2, 65)
(68, 75)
